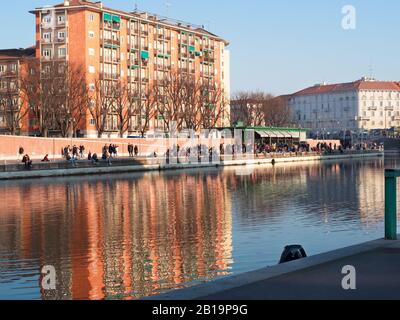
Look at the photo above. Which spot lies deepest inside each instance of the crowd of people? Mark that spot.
(74, 153)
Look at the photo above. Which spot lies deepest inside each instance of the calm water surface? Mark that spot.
(135, 235)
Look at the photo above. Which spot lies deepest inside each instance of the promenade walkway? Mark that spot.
(14, 169)
(377, 266)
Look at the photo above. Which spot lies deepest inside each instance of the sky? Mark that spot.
(276, 46)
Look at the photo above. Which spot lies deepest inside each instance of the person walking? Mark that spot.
(81, 151)
(27, 161)
(21, 152)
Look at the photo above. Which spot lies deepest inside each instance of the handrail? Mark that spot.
(391, 176)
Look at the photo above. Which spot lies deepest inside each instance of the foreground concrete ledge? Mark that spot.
(126, 168)
(218, 286)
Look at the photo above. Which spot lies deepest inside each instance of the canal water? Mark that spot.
(135, 235)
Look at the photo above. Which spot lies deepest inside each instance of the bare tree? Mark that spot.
(13, 103)
(212, 105)
(44, 87)
(72, 100)
(248, 107)
(170, 99)
(103, 104)
(145, 108)
(192, 103)
(277, 112)
(260, 109)
(122, 106)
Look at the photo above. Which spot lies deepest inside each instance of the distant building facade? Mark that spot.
(14, 66)
(365, 104)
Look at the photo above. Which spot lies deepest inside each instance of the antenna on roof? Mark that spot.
(167, 6)
(371, 71)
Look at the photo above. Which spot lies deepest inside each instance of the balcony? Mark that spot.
(9, 74)
(389, 108)
(110, 60)
(110, 76)
(46, 58)
(133, 48)
(133, 78)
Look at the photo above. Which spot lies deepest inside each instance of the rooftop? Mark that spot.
(17, 53)
(362, 84)
(140, 15)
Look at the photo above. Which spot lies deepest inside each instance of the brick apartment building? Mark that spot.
(136, 48)
(14, 65)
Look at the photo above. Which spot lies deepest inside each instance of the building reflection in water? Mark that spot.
(130, 236)
(124, 238)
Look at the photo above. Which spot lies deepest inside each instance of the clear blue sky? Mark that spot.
(278, 46)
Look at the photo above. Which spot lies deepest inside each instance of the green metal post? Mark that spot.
(390, 205)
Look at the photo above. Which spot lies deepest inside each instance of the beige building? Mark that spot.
(363, 104)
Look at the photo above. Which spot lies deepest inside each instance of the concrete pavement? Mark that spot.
(377, 265)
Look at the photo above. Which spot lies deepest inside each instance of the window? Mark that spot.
(47, 35)
(61, 35)
(91, 52)
(61, 19)
(91, 17)
(46, 19)
(62, 52)
(3, 68)
(92, 87)
(47, 53)
(91, 34)
(92, 69)
(92, 122)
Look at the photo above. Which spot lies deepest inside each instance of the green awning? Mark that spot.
(198, 54)
(192, 49)
(144, 55)
(107, 17)
(166, 56)
(111, 46)
(134, 67)
(116, 19)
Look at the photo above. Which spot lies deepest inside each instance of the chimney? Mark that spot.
(66, 3)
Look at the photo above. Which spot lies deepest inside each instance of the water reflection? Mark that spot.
(129, 236)
(119, 238)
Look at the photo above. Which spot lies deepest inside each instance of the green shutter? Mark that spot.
(116, 19)
(107, 17)
(192, 49)
(144, 55)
